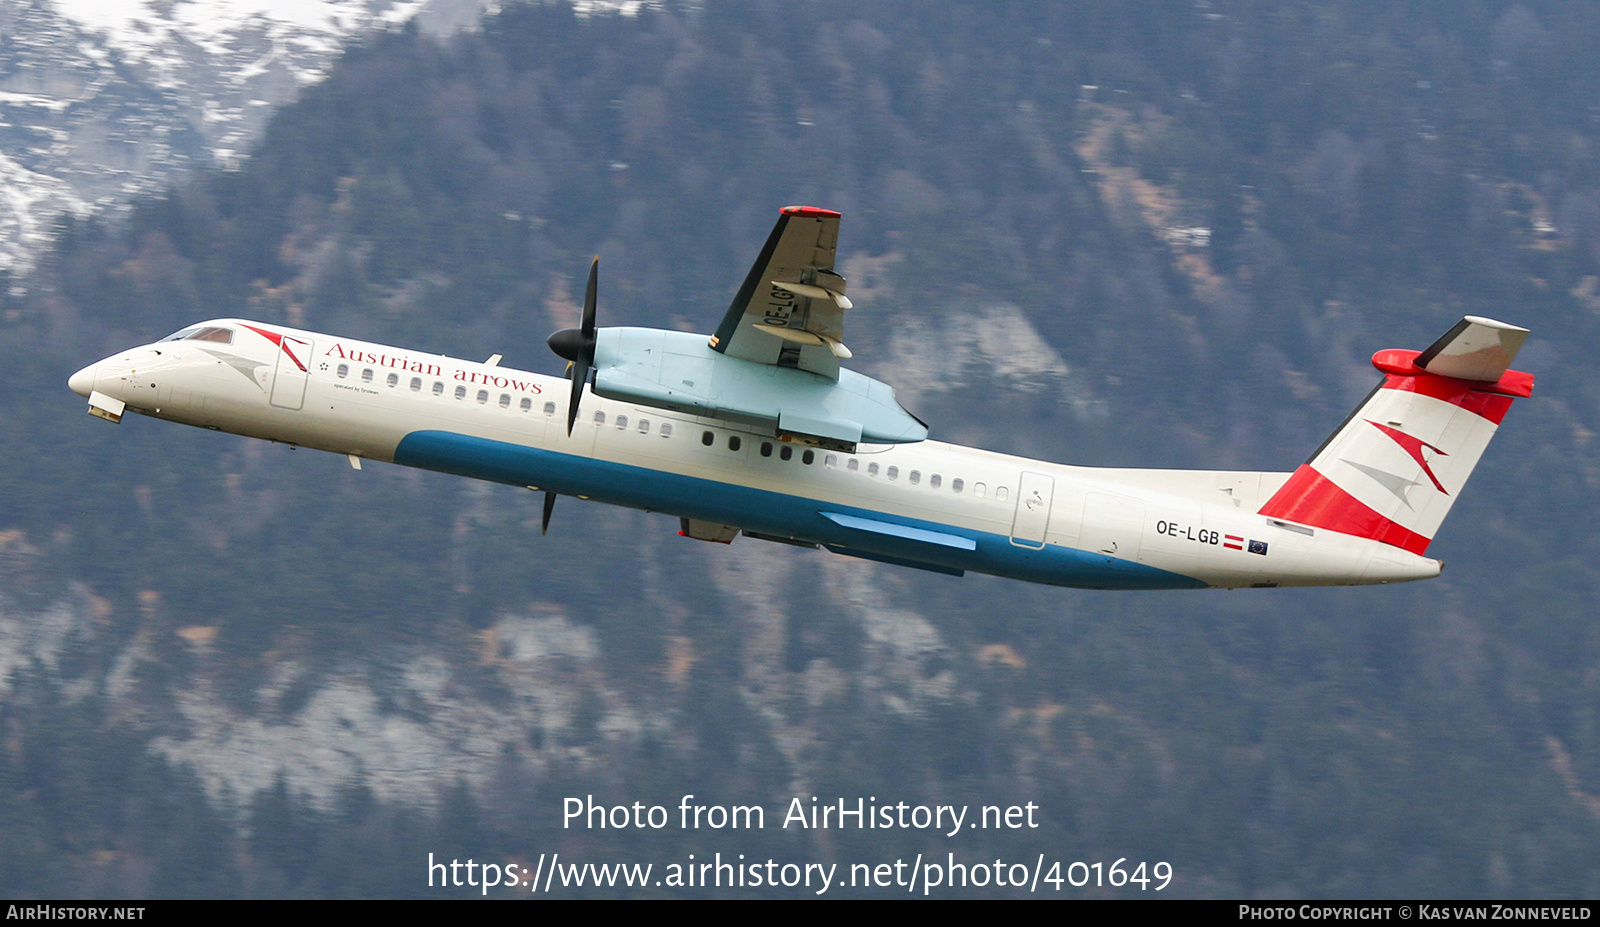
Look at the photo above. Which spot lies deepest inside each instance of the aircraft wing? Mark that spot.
(790, 310)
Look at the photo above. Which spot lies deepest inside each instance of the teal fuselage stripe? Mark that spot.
(774, 513)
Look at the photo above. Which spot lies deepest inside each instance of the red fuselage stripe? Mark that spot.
(1312, 499)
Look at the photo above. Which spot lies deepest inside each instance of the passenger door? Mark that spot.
(1033, 510)
(293, 370)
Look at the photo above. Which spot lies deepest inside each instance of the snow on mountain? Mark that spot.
(228, 62)
(104, 99)
(29, 202)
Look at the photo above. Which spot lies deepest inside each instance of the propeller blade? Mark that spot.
(576, 345)
(549, 506)
(588, 305)
(580, 376)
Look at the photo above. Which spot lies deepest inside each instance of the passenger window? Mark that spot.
(831, 461)
(853, 465)
(733, 442)
(527, 404)
(483, 396)
(915, 476)
(666, 429)
(786, 452)
(808, 457)
(393, 380)
(438, 387)
(549, 408)
(366, 375)
(894, 473)
(505, 400)
(1000, 492)
(416, 384)
(955, 484)
(644, 426)
(461, 392)
(977, 490)
(766, 449)
(872, 468)
(933, 481)
(599, 418)
(343, 371)
(707, 438)
(622, 423)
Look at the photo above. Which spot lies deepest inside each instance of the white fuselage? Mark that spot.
(927, 504)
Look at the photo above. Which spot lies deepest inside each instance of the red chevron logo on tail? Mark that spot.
(1413, 446)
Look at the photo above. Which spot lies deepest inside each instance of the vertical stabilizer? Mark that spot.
(1397, 464)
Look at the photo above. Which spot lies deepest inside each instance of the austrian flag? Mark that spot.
(1233, 542)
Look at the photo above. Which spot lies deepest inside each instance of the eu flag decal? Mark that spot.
(1258, 547)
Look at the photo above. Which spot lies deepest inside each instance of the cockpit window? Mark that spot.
(212, 333)
(202, 333)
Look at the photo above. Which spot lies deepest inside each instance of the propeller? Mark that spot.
(576, 345)
(549, 506)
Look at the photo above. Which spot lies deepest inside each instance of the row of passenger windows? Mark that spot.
(914, 477)
(853, 465)
(707, 438)
(785, 451)
(368, 375)
(622, 424)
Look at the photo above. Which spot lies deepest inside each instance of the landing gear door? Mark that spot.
(1033, 510)
(289, 379)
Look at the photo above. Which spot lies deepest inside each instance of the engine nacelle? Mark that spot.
(680, 371)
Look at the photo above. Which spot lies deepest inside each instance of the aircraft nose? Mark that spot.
(82, 382)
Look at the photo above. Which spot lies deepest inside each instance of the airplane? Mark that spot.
(758, 431)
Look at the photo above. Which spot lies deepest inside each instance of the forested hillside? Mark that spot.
(1102, 233)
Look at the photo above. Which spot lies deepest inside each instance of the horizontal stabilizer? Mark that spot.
(1475, 349)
